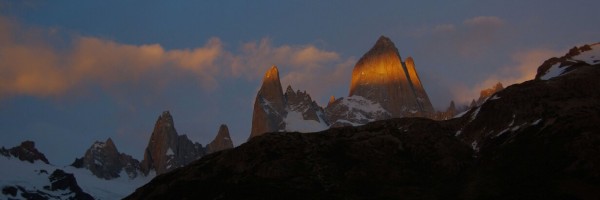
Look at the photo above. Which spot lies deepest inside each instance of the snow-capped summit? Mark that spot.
(104, 161)
(577, 57)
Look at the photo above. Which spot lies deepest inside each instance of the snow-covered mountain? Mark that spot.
(103, 172)
(38, 179)
(383, 86)
(104, 160)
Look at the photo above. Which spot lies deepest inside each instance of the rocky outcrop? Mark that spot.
(292, 111)
(577, 57)
(487, 93)
(104, 161)
(221, 142)
(166, 149)
(25, 152)
(536, 140)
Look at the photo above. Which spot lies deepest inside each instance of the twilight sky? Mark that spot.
(73, 72)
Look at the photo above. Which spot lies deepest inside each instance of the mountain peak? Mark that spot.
(221, 142)
(25, 152)
(272, 74)
(384, 42)
(381, 76)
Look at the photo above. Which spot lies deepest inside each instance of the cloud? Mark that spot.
(467, 40)
(304, 67)
(484, 21)
(523, 68)
(31, 64)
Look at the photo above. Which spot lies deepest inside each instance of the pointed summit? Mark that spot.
(269, 105)
(384, 43)
(381, 76)
(422, 97)
(166, 149)
(221, 142)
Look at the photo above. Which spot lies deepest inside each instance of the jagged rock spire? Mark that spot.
(221, 142)
(269, 105)
(166, 149)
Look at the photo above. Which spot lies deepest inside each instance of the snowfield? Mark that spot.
(34, 176)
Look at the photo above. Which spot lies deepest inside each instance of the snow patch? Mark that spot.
(495, 97)
(502, 132)
(590, 57)
(554, 71)
(34, 176)
(170, 152)
(536, 122)
(474, 146)
(295, 122)
(474, 114)
(458, 133)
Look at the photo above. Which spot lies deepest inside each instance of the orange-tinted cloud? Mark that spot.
(305, 67)
(524, 68)
(30, 64)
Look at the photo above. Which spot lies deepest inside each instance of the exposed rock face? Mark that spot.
(25, 152)
(382, 78)
(269, 106)
(424, 103)
(166, 149)
(104, 161)
(487, 93)
(537, 140)
(221, 142)
(292, 111)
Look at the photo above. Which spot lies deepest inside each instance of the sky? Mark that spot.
(75, 72)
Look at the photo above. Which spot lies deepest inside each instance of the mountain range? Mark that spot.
(534, 140)
(102, 172)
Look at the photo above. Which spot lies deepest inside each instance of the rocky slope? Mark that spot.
(534, 140)
(104, 161)
(166, 149)
(221, 142)
(276, 111)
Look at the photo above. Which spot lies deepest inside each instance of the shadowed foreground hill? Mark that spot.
(536, 140)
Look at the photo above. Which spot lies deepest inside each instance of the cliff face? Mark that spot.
(166, 149)
(381, 77)
(269, 105)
